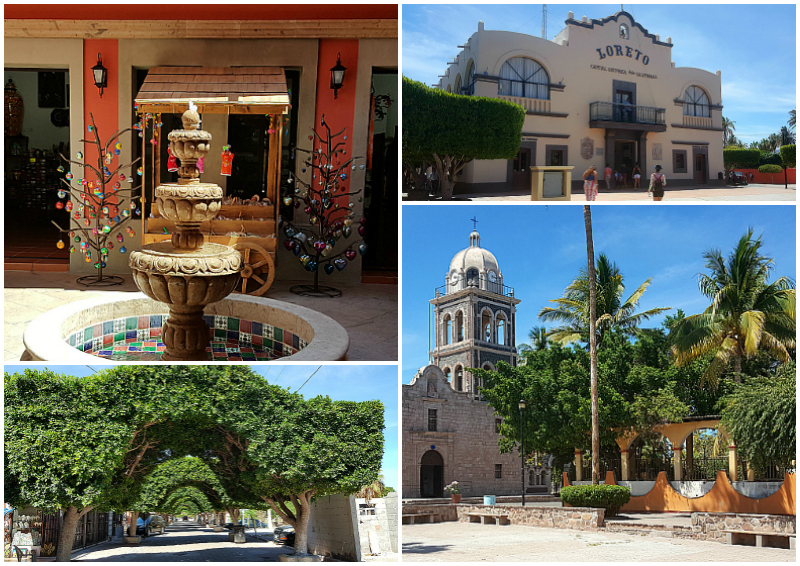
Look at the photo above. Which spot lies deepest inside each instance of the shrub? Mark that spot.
(736, 158)
(771, 170)
(609, 497)
(769, 158)
(789, 155)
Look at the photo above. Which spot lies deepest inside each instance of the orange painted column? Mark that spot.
(339, 112)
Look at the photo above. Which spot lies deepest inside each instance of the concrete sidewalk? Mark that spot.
(747, 193)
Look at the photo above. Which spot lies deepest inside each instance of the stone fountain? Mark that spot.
(187, 273)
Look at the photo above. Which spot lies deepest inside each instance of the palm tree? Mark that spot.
(587, 219)
(727, 130)
(792, 118)
(733, 141)
(746, 313)
(538, 338)
(786, 137)
(373, 490)
(572, 309)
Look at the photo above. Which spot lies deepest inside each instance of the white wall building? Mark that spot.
(602, 91)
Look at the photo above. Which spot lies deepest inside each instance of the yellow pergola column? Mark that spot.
(578, 465)
(732, 464)
(751, 473)
(677, 460)
(625, 459)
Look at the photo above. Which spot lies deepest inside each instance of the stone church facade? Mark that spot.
(449, 432)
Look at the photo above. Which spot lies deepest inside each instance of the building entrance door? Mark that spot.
(624, 108)
(624, 160)
(431, 474)
(521, 172)
(700, 168)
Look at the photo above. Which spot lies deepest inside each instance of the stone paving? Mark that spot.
(186, 541)
(369, 313)
(747, 193)
(465, 542)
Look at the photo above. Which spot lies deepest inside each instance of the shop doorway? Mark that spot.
(521, 169)
(700, 168)
(624, 160)
(380, 182)
(33, 142)
(431, 474)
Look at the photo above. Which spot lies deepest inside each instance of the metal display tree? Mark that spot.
(330, 220)
(99, 215)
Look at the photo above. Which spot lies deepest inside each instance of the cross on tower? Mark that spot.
(474, 223)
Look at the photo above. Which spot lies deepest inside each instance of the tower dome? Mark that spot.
(474, 267)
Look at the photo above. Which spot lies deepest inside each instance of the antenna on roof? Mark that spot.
(544, 21)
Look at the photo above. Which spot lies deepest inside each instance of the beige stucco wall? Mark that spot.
(569, 60)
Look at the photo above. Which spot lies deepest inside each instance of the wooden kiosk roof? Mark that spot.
(215, 90)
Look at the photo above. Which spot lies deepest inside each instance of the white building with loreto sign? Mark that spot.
(601, 92)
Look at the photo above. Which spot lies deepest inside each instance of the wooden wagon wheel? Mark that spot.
(258, 269)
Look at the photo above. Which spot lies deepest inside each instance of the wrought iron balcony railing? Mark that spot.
(615, 112)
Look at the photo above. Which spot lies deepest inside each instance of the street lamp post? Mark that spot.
(522, 449)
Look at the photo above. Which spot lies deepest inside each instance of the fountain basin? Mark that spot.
(53, 336)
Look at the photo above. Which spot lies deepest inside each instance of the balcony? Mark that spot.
(627, 117)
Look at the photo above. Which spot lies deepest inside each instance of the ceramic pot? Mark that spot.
(14, 109)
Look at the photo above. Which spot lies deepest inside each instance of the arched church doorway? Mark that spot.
(431, 474)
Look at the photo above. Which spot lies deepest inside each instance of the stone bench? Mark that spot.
(488, 518)
(760, 539)
(411, 518)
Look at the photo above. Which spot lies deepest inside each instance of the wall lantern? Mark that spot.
(337, 75)
(100, 75)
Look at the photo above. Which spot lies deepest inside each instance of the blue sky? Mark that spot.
(541, 249)
(753, 45)
(338, 381)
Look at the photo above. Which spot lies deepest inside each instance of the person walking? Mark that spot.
(637, 177)
(657, 183)
(590, 183)
(608, 173)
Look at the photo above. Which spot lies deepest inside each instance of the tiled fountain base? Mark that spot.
(138, 338)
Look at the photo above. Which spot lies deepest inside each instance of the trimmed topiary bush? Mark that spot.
(609, 497)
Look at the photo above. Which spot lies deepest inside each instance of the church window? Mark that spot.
(501, 331)
(472, 277)
(447, 373)
(478, 382)
(459, 379)
(497, 423)
(498, 471)
(459, 326)
(432, 420)
(523, 77)
(448, 330)
(695, 102)
(486, 326)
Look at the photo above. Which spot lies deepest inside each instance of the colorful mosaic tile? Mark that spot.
(138, 338)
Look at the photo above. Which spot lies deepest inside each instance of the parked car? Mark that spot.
(284, 534)
(737, 178)
(145, 527)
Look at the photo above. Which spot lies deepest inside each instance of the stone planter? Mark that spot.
(238, 535)
(455, 497)
(230, 537)
(300, 558)
(132, 540)
(219, 529)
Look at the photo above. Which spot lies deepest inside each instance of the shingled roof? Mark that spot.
(216, 90)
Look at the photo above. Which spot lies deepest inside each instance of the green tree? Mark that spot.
(792, 118)
(739, 158)
(728, 128)
(785, 136)
(572, 310)
(770, 169)
(747, 313)
(450, 130)
(760, 414)
(788, 160)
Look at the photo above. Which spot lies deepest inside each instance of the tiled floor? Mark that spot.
(368, 312)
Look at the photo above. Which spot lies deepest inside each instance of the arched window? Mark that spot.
(623, 31)
(447, 375)
(459, 379)
(695, 102)
(501, 331)
(486, 326)
(448, 88)
(469, 82)
(459, 326)
(524, 77)
(472, 277)
(457, 85)
(448, 330)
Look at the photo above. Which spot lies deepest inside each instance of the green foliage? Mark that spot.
(747, 313)
(736, 158)
(469, 127)
(769, 158)
(770, 168)
(789, 155)
(760, 414)
(572, 310)
(608, 497)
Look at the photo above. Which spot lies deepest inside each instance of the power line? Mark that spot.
(309, 377)
(279, 375)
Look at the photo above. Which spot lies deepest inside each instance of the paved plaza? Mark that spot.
(186, 541)
(367, 311)
(747, 193)
(465, 542)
